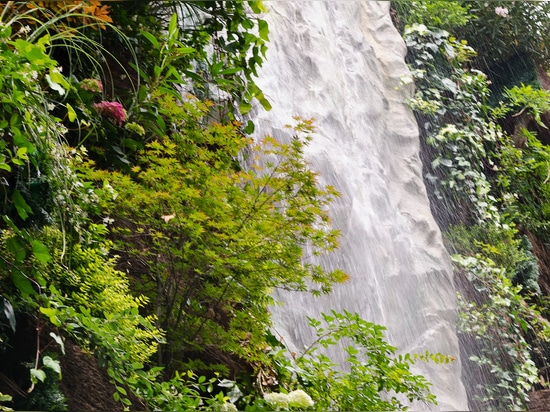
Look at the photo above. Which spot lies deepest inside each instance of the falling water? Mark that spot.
(342, 63)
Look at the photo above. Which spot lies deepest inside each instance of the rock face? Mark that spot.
(539, 400)
(342, 63)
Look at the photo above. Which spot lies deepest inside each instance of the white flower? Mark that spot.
(24, 29)
(277, 400)
(300, 400)
(167, 218)
(228, 407)
(501, 11)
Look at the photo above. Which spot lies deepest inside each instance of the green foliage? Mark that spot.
(525, 183)
(490, 183)
(207, 222)
(213, 233)
(535, 101)
(500, 324)
(187, 391)
(46, 396)
(229, 40)
(374, 376)
(451, 108)
(441, 14)
(504, 29)
(239, 40)
(5, 398)
(527, 271)
(501, 244)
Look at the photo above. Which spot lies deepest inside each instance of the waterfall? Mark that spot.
(342, 63)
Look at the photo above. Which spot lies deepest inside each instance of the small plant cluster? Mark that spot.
(488, 180)
(373, 377)
(499, 30)
(449, 104)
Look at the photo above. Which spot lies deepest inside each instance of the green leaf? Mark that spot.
(216, 68)
(23, 209)
(18, 248)
(245, 107)
(71, 114)
(249, 129)
(34, 53)
(263, 29)
(54, 85)
(152, 39)
(52, 364)
(264, 102)
(232, 70)
(40, 251)
(37, 375)
(10, 314)
(52, 315)
(59, 341)
(22, 283)
(22, 153)
(137, 365)
(173, 30)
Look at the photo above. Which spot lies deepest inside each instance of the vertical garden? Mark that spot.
(143, 230)
(482, 102)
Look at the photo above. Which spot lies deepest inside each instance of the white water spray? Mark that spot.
(342, 62)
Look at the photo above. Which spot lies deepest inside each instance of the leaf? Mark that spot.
(18, 248)
(264, 102)
(231, 70)
(151, 39)
(34, 53)
(245, 107)
(22, 153)
(40, 251)
(22, 283)
(52, 364)
(71, 114)
(59, 340)
(449, 85)
(172, 30)
(52, 315)
(23, 209)
(263, 30)
(249, 129)
(10, 314)
(38, 375)
(54, 85)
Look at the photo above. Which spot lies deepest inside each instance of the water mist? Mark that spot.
(342, 63)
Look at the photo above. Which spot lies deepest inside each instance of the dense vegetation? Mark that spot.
(141, 222)
(482, 103)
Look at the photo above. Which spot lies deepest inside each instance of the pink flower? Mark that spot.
(112, 110)
(501, 11)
